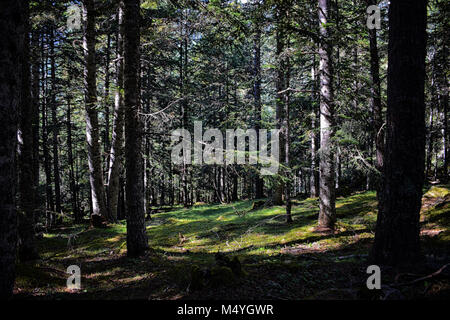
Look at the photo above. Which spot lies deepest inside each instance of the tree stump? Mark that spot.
(97, 221)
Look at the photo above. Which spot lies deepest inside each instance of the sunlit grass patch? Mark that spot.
(437, 192)
(186, 237)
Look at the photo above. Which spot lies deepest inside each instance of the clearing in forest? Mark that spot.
(278, 260)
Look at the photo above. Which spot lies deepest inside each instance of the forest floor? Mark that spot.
(279, 261)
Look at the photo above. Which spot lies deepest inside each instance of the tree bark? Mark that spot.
(107, 143)
(259, 182)
(92, 127)
(287, 141)
(116, 153)
(73, 183)
(184, 34)
(137, 242)
(375, 100)
(27, 248)
(443, 101)
(430, 129)
(397, 230)
(45, 151)
(35, 115)
(314, 179)
(277, 197)
(55, 126)
(11, 37)
(327, 213)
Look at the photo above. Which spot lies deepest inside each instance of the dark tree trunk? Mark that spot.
(234, 196)
(430, 131)
(375, 100)
(92, 127)
(259, 182)
(277, 196)
(73, 183)
(287, 141)
(397, 230)
(147, 143)
(35, 116)
(184, 103)
(327, 214)
(443, 101)
(11, 38)
(315, 144)
(27, 248)
(162, 188)
(107, 144)
(55, 126)
(137, 242)
(121, 207)
(45, 151)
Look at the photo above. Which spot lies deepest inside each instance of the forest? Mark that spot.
(224, 150)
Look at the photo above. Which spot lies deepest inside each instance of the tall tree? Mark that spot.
(35, 58)
(375, 99)
(277, 197)
(397, 230)
(327, 213)
(55, 125)
(92, 127)
(45, 142)
(314, 179)
(116, 153)
(73, 183)
(259, 182)
(287, 141)
(27, 248)
(136, 236)
(106, 100)
(11, 37)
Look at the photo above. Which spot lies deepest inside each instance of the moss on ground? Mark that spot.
(279, 259)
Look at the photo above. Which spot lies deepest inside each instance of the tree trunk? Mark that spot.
(259, 182)
(47, 160)
(92, 128)
(107, 144)
(11, 38)
(314, 179)
(73, 184)
(327, 213)
(121, 207)
(35, 116)
(375, 101)
(286, 128)
(116, 153)
(137, 242)
(277, 196)
(234, 196)
(184, 103)
(443, 101)
(55, 127)
(397, 230)
(430, 131)
(147, 143)
(27, 248)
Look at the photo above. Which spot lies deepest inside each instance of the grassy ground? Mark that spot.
(279, 261)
